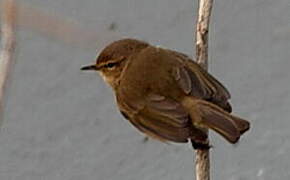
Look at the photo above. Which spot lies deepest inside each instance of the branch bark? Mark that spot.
(202, 30)
(7, 42)
(202, 163)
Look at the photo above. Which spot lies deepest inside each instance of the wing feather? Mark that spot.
(202, 85)
(159, 117)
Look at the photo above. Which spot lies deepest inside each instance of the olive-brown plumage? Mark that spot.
(165, 94)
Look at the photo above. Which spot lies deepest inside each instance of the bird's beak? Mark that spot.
(90, 68)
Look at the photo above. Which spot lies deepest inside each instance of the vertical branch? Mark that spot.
(202, 29)
(7, 42)
(202, 164)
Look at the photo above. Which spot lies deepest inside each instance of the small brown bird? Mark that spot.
(166, 95)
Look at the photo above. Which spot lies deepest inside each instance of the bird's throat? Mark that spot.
(112, 81)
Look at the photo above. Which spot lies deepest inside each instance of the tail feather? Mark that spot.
(241, 124)
(215, 118)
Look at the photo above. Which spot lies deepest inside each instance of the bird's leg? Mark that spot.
(200, 145)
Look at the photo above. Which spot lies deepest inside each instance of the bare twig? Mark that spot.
(7, 43)
(202, 29)
(202, 164)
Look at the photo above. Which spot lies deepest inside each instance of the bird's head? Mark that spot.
(112, 60)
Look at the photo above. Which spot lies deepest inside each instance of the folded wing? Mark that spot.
(195, 81)
(160, 118)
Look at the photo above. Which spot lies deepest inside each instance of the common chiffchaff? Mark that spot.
(165, 94)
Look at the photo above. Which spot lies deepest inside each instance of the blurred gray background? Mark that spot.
(62, 124)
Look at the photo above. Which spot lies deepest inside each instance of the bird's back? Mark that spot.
(151, 70)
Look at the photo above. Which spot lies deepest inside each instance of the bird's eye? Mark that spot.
(110, 65)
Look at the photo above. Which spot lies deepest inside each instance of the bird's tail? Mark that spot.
(208, 115)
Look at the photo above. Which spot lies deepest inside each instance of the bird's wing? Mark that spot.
(195, 81)
(160, 118)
